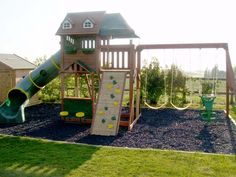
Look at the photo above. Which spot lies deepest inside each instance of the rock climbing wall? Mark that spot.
(107, 116)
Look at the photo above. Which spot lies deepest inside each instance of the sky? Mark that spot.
(28, 27)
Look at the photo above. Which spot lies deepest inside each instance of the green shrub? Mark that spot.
(207, 87)
(176, 86)
(152, 79)
(51, 92)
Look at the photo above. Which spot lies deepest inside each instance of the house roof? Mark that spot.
(16, 62)
(77, 20)
(104, 24)
(115, 25)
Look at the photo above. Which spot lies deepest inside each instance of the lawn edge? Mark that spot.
(115, 147)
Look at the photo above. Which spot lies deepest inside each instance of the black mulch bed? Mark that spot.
(162, 129)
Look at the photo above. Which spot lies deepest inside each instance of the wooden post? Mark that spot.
(123, 59)
(118, 59)
(133, 57)
(227, 100)
(98, 53)
(62, 73)
(138, 84)
(131, 106)
(137, 97)
(131, 85)
(112, 59)
(227, 83)
(92, 95)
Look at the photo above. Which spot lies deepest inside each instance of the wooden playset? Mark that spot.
(88, 57)
(111, 74)
(87, 52)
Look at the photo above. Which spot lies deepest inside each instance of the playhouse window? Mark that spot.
(66, 25)
(87, 24)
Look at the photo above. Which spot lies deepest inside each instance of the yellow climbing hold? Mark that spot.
(109, 86)
(101, 113)
(79, 114)
(110, 126)
(64, 113)
(117, 91)
(115, 103)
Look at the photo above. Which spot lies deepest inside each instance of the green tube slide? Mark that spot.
(12, 109)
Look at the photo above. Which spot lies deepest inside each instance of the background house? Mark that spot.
(12, 69)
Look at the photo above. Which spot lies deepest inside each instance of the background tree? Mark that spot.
(152, 79)
(214, 73)
(211, 81)
(51, 91)
(176, 85)
(38, 61)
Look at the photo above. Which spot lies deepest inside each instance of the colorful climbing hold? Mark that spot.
(114, 82)
(109, 86)
(110, 126)
(103, 121)
(115, 103)
(117, 91)
(113, 118)
(101, 113)
(112, 96)
(111, 77)
(105, 108)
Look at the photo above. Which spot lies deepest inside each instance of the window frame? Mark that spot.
(88, 24)
(66, 25)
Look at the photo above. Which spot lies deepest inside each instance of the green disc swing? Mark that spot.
(208, 97)
(208, 102)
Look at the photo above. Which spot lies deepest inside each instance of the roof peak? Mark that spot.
(87, 12)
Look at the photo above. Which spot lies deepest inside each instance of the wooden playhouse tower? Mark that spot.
(110, 72)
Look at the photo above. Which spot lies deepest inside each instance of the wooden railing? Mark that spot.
(117, 57)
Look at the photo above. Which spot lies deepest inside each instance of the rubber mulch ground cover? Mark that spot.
(162, 129)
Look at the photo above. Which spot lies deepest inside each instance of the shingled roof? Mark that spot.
(104, 24)
(77, 20)
(115, 25)
(15, 62)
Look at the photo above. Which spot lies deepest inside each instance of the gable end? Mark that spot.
(66, 24)
(88, 23)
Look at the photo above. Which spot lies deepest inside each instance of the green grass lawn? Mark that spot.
(27, 157)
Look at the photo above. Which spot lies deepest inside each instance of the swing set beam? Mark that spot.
(182, 46)
(230, 82)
